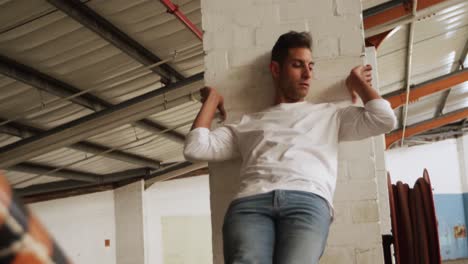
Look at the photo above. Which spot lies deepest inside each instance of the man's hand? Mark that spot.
(359, 81)
(209, 93)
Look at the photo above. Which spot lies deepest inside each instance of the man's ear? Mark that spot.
(275, 69)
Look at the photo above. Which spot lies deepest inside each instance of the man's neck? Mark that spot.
(279, 99)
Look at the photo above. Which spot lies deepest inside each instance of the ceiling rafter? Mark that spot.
(39, 80)
(99, 122)
(42, 169)
(390, 15)
(111, 178)
(458, 65)
(105, 29)
(398, 98)
(67, 188)
(426, 125)
(24, 131)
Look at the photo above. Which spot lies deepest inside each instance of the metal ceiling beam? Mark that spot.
(392, 16)
(401, 116)
(35, 168)
(457, 65)
(72, 184)
(63, 188)
(426, 125)
(28, 75)
(398, 98)
(24, 131)
(125, 175)
(381, 8)
(97, 149)
(34, 78)
(155, 127)
(454, 129)
(174, 171)
(99, 122)
(51, 187)
(63, 192)
(93, 21)
(462, 60)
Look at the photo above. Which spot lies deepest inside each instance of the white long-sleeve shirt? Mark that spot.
(291, 146)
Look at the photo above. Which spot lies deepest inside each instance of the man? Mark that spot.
(283, 210)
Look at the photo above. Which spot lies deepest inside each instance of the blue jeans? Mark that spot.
(279, 227)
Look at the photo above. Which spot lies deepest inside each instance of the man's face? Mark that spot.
(294, 75)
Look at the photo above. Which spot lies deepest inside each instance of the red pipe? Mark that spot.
(174, 9)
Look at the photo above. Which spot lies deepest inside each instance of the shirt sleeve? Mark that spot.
(375, 118)
(202, 144)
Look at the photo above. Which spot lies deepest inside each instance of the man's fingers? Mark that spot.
(204, 92)
(354, 95)
(222, 111)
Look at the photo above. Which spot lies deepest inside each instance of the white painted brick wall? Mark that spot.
(238, 41)
(379, 157)
(304, 9)
(345, 7)
(266, 36)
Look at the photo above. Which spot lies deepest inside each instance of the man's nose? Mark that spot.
(306, 73)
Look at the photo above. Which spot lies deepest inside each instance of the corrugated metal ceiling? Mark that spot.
(439, 41)
(44, 38)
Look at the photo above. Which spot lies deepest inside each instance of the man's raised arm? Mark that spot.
(376, 117)
(359, 82)
(202, 144)
(212, 100)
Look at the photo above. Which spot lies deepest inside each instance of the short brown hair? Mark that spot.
(292, 39)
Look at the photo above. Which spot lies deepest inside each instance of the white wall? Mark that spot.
(183, 197)
(81, 224)
(441, 160)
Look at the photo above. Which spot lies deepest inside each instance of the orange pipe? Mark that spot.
(427, 3)
(427, 88)
(386, 16)
(426, 125)
(396, 12)
(376, 40)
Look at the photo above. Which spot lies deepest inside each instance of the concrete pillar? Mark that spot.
(129, 219)
(462, 148)
(379, 158)
(238, 40)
